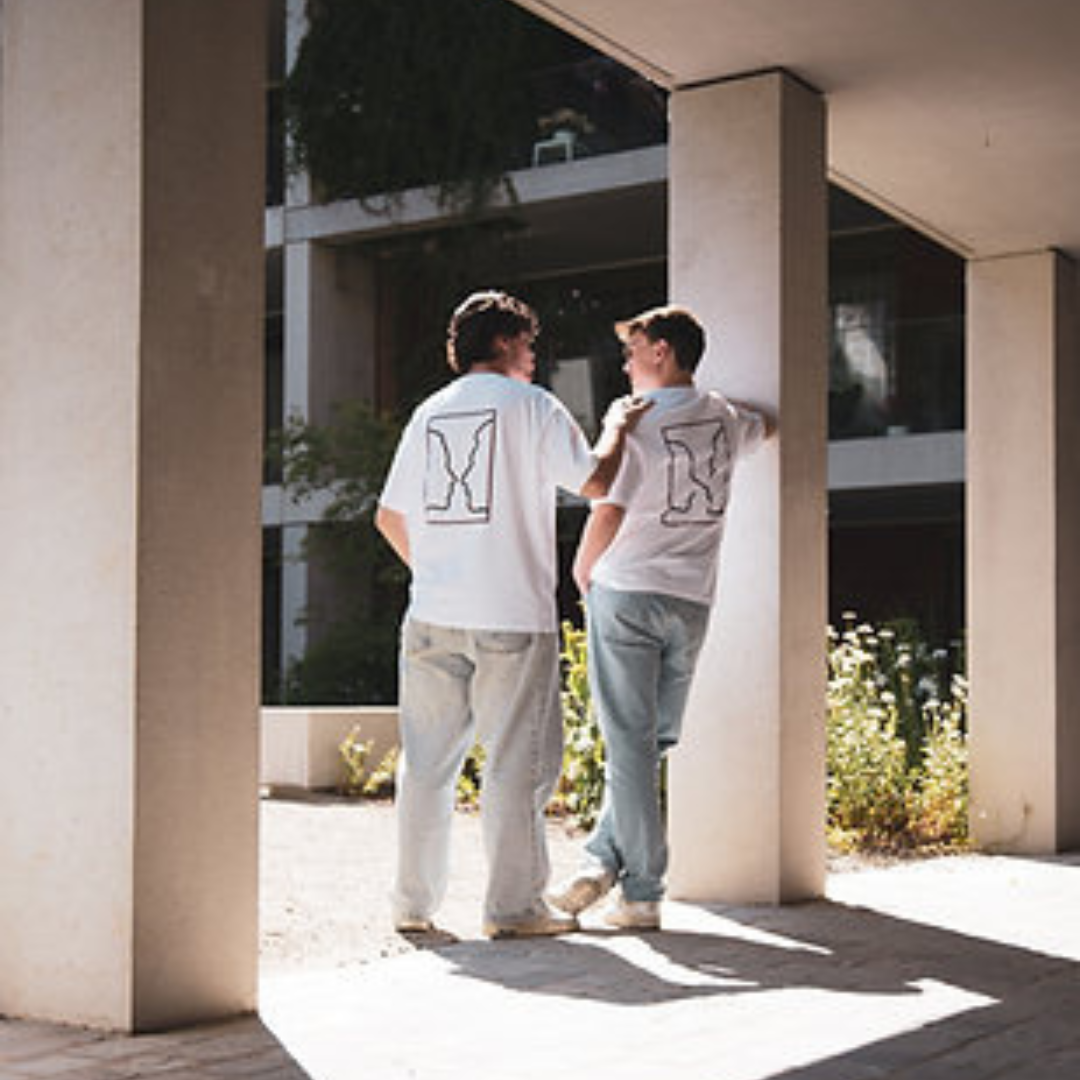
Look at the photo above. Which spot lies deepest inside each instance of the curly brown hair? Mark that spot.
(479, 320)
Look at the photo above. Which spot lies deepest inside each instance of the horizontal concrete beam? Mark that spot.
(420, 207)
(897, 461)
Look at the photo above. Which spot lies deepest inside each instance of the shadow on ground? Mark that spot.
(242, 1047)
(1013, 1011)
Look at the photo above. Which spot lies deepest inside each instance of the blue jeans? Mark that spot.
(459, 686)
(642, 651)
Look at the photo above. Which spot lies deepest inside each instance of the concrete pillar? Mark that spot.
(131, 164)
(1023, 511)
(297, 395)
(330, 357)
(294, 593)
(330, 329)
(298, 294)
(342, 329)
(748, 253)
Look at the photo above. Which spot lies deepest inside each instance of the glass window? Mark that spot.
(896, 362)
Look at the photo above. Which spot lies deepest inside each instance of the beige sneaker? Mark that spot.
(633, 914)
(536, 924)
(582, 891)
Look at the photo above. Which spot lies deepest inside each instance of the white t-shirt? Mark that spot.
(475, 475)
(674, 486)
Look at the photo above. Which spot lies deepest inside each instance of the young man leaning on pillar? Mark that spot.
(647, 567)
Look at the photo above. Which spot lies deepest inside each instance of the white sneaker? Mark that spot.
(633, 914)
(540, 923)
(583, 890)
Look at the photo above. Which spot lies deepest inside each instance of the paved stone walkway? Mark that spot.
(954, 969)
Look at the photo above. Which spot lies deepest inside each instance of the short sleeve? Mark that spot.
(629, 477)
(567, 459)
(750, 429)
(405, 476)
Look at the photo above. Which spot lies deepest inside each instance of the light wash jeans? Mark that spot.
(642, 652)
(459, 686)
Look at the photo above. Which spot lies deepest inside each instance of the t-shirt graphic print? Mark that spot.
(459, 475)
(699, 461)
(476, 475)
(674, 487)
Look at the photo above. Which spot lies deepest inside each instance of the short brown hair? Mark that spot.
(479, 320)
(675, 325)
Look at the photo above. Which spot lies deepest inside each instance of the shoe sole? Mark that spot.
(503, 933)
(644, 924)
(631, 917)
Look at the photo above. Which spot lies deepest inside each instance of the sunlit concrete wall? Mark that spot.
(1024, 551)
(131, 162)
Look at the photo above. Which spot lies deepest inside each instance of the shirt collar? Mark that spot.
(665, 396)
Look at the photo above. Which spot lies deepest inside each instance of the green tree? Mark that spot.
(392, 94)
(352, 658)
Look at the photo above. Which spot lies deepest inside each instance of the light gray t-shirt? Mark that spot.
(674, 486)
(475, 475)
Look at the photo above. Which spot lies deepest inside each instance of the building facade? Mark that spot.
(589, 247)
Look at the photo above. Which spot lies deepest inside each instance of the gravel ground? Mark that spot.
(325, 873)
(326, 865)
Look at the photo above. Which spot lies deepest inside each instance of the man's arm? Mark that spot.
(394, 528)
(621, 419)
(604, 522)
(768, 418)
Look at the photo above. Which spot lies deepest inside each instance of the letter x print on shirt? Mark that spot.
(459, 472)
(698, 474)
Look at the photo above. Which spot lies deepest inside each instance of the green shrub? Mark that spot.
(352, 637)
(896, 751)
(915, 673)
(470, 780)
(381, 780)
(941, 812)
(354, 753)
(357, 778)
(866, 758)
(581, 785)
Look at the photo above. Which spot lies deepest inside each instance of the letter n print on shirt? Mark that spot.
(699, 472)
(460, 468)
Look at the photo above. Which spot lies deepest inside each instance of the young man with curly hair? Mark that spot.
(469, 505)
